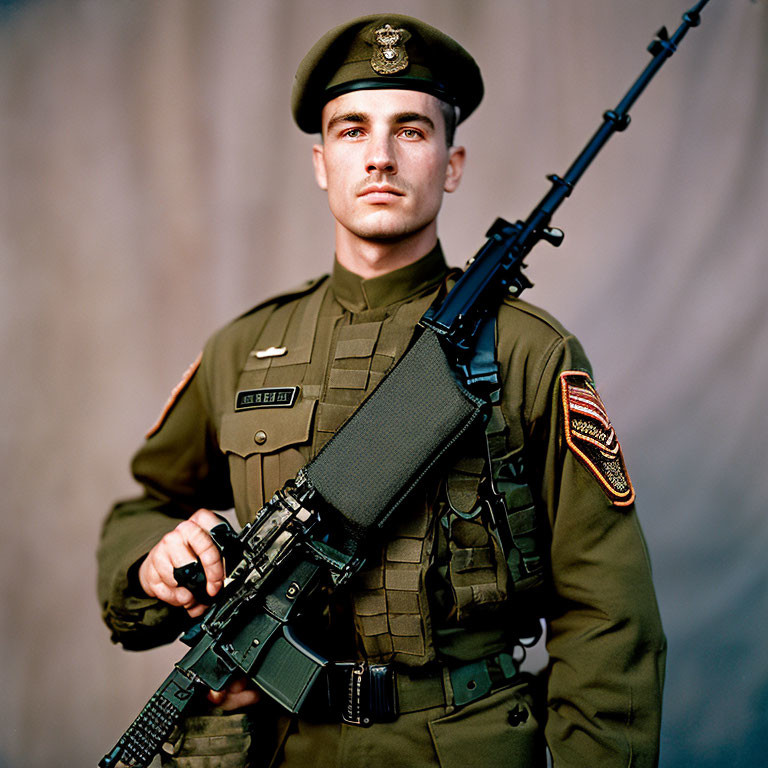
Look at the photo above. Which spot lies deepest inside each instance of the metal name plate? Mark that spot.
(266, 397)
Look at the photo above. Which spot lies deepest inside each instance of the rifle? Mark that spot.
(316, 529)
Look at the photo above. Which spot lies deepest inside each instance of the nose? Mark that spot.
(381, 155)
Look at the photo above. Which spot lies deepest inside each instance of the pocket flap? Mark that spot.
(499, 729)
(264, 430)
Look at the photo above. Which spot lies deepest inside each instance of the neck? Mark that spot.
(372, 258)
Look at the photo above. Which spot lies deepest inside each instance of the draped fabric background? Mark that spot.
(154, 186)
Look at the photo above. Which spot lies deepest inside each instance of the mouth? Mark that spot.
(379, 193)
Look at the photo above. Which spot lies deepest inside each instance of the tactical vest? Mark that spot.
(336, 358)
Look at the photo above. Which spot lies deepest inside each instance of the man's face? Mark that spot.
(384, 162)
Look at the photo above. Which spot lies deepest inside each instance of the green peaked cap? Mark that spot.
(385, 50)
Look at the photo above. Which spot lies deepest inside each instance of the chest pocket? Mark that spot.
(266, 447)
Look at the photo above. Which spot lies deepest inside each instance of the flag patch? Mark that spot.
(175, 394)
(591, 437)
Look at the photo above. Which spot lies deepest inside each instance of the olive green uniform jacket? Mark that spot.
(335, 338)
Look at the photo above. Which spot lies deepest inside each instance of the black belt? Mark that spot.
(364, 694)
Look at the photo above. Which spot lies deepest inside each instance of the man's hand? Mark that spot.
(237, 694)
(187, 542)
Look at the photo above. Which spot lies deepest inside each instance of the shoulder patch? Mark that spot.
(175, 395)
(591, 437)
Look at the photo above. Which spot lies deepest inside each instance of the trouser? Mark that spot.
(498, 729)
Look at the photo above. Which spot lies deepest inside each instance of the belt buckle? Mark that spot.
(354, 712)
(371, 695)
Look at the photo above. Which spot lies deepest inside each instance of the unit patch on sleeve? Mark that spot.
(591, 437)
(175, 395)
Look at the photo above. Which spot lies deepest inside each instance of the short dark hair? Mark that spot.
(450, 117)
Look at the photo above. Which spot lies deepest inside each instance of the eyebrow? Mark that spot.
(399, 119)
(414, 117)
(348, 117)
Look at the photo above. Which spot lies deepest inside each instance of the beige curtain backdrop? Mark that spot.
(154, 186)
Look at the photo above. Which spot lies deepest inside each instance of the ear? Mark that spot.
(456, 158)
(318, 160)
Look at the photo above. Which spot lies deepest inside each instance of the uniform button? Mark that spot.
(260, 437)
(517, 716)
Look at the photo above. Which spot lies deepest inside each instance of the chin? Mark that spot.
(387, 231)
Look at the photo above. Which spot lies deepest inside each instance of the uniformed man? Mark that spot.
(438, 601)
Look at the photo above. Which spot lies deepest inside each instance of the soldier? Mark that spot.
(439, 602)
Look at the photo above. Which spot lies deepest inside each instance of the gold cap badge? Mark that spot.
(389, 56)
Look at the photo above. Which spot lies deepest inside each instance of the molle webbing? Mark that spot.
(481, 574)
(391, 605)
(366, 347)
(350, 374)
(510, 476)
(219, 739)
(476, 569)
(370, 466)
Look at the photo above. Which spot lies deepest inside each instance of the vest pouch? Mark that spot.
(249, 738)
(203, 741)
(477, 570)
(264, 448)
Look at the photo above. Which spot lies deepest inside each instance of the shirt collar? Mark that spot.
(357, 294)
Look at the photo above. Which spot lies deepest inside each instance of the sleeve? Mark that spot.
(181, 470)
(605, 641)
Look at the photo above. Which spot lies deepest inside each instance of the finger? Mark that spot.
(206, 519)
(246, 698)
(195, 610)
(147, 576)
(199, 541)
(234, 696)
(172, 551)
(214, 570)
(173, 595)
(185, 544)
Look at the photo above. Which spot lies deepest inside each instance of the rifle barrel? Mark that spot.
(497, 267)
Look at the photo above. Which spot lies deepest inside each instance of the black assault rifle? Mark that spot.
(316, 529)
